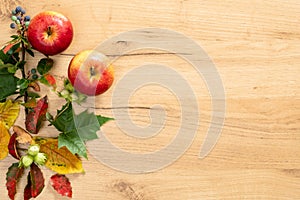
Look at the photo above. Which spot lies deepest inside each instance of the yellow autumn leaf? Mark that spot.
(4, 140)
(60, 160)
(9, 112)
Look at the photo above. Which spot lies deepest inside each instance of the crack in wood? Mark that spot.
(134, 54)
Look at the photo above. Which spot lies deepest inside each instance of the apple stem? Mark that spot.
(49, 31)
(92, 71)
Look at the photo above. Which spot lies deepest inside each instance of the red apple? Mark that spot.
(50, 32)
(90, 73)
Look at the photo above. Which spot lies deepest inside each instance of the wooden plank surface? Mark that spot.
(255, 47)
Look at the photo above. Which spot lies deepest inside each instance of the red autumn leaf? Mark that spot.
(27, 189)
(49, 80)
(13, 176)
(37, 180)
(61, 184)
(12, 146)
(7, 48)
(36, 116)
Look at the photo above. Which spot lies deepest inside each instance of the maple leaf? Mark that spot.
(36, 116)
(60, 160)
(35, 182)
(13, 176)
(77, 129)
(61, 184)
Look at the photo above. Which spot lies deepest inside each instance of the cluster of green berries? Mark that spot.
(33, 155)
(34, 74)
(70, 94)
(18, 18)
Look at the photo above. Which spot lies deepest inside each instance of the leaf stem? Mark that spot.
(23, 73)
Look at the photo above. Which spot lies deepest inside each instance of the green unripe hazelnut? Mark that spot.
(40, 159)
(34, 150)
(26, 161)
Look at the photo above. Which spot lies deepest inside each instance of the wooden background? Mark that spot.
(255, 46)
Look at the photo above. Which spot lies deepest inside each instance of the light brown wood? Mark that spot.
(255, 47)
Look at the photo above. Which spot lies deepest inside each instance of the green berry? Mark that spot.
(13, 12)
(34, 150)
(26, 161)
(18, 22)
(40, 159)
(27, 23)
(35, 76)
(14, 18)
(33, 70)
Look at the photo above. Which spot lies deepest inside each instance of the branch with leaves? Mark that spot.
(20, 90)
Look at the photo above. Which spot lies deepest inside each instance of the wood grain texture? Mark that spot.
(255, 47)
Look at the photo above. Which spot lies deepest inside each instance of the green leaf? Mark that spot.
(23, 83)
(6, 68)
(14, 48)
(14, 36)
(8, 85)
(12, 68)
(102, 120)
(3, 56)
(33, 95)
(73, 143)
(44, 65)
(21, 64)
(77, 129)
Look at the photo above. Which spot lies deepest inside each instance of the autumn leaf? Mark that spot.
(31, 103)
(27, 189)
(36, 116)
(12, 146)
(22, 135)
(60, 160)
(4, 141)
(49, 80)
(35, 86)
(61, 184)
(77, 129)
(13, 176)
(19, 140)
(35, 182)
(9, 112)
(44, 65)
